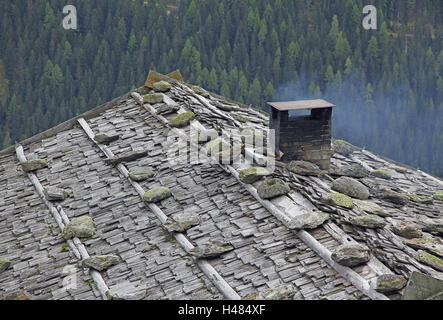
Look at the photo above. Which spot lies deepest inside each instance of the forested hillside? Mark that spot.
(387, 83)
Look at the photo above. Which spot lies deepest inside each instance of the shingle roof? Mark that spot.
(264, 256)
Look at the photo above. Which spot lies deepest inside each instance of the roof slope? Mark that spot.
(268, 259)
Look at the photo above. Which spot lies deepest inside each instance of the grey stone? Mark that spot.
(429, 259)
(342, 147)
(388, 283)
(351, 187)
(368, 221)
(351, 255)
(157, 194)
(407, 229)
(372, 208)
(101, 262)
(81, 227)
(182, 221)
(431, 225)
(382, 173)
(141, 175)
(354, 170)
(272, 188)
(432, 245)
(106, 138)
(309, 220)
(153, 98)
(253, 174)
(33, 165)
(167, 108)
(304, 168)
(211, 250)
(162, 86)
(4, 264)
(394, 197)
(55, 194)
(127, 156)
(423, 287)
(226, 107)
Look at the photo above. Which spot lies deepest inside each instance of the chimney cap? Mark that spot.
(301, 104)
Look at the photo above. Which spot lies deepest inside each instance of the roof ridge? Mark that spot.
(347, 273)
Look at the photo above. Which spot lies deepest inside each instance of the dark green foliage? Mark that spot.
(387, 83)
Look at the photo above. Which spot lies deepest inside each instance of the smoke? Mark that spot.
(386, 121)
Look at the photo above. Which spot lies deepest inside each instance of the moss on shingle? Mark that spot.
(182, 119)
(340, 200)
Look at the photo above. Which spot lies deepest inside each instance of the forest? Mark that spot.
(387, 83)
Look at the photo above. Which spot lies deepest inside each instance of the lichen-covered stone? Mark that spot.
(272, 188)
(354, 171)
(182, 119)
(157, 194)
(33, 165)
(162, 86)
(304, 168)
(368, 221)
(127, 156)
(372, 208)
(432, 245)
(182, 221)
(381, 173)
(164, 108)
(253, 174)
(420, 198)
(4, 264)
(438, 196)
(351, 187)
(141, 175)
(407, 229)
(429, 259)
(101, 262)
(211, 250)
(17, 295)
(81, 227)
(351, 255)
(388, 283)
(283, 292)
(106, 138)
(431, 225)
(394, 197)
(153, 98)
(309, 220)
(342, 147)
(341, 200)
(55, 194)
